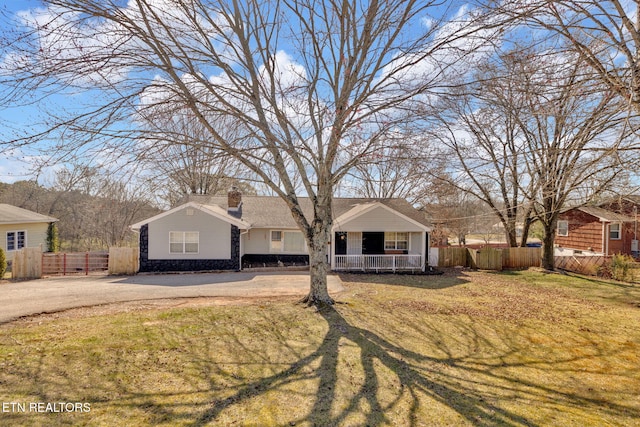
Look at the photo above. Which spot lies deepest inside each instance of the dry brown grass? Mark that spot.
(466, 348)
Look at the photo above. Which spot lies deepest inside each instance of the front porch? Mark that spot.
(379, 251)
(378, 263)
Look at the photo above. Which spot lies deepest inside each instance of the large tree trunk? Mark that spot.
(547, 247)
(525, 228)
(510, 234)
(318, 237)
(318, 269)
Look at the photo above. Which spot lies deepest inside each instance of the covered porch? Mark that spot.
(373, 237)
(379, 251)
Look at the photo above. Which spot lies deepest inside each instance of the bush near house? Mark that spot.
(3, 263)
(620, 267)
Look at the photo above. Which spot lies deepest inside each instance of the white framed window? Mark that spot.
(276, 241)
(16, 240)
(396, 240)
(563, 228)
(184, 242)
(287, 241)
(614, 231)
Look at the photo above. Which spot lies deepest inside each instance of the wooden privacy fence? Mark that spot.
(486, 259)
(32, 263)
(453, 257)
(27, 263)
(123, 261)
(489, 258)
(521, 257)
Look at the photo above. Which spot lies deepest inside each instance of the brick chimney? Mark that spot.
(234, 199)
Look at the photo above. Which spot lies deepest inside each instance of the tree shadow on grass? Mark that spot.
(398, 380)
(450, 278)
(422, 380)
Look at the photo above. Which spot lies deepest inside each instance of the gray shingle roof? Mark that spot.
(10, 214)
(605, 215)
(272, 212)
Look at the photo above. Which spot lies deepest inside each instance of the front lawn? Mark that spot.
(466, 348)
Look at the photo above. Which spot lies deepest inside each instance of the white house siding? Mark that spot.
(377, 219)
(36, 235)
(214, 235)
(416, 244)
(258, 242)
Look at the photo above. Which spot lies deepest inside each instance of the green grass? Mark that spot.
(469, 348)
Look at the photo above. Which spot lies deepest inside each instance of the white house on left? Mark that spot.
(22, 228)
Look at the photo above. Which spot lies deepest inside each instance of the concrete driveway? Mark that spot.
(60, 293)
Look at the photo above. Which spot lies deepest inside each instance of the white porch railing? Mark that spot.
(378, 262)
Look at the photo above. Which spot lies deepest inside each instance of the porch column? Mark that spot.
(425, 248)
(332, 249)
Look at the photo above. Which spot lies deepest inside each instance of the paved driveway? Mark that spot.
(61, 293)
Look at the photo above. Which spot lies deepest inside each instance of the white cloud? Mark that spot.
(16, 165)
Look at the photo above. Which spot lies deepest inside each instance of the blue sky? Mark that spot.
(15, 164)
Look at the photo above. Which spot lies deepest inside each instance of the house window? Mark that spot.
(563, 228)
(614, 231)
(287, 241)
(16, 240)
(184, 242)
(396, 241)
(276, 241)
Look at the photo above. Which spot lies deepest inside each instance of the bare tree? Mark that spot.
(576, 134)
(310, 87)
(480, 127)
(186, 163)
(604, 33)
(538, 133)
(395, 170)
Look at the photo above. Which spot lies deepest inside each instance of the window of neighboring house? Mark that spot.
(563, 228)
(614, 231)
(396, 241)
(184, 242)
(287, 241)
(16, 240)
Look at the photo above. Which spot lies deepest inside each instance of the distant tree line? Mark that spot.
(92, 216)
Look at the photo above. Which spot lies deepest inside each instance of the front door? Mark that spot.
(373, 242)
(341, 243)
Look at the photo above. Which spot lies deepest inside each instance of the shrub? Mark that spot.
(620, 267)
(53, 241)
(3, 263)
